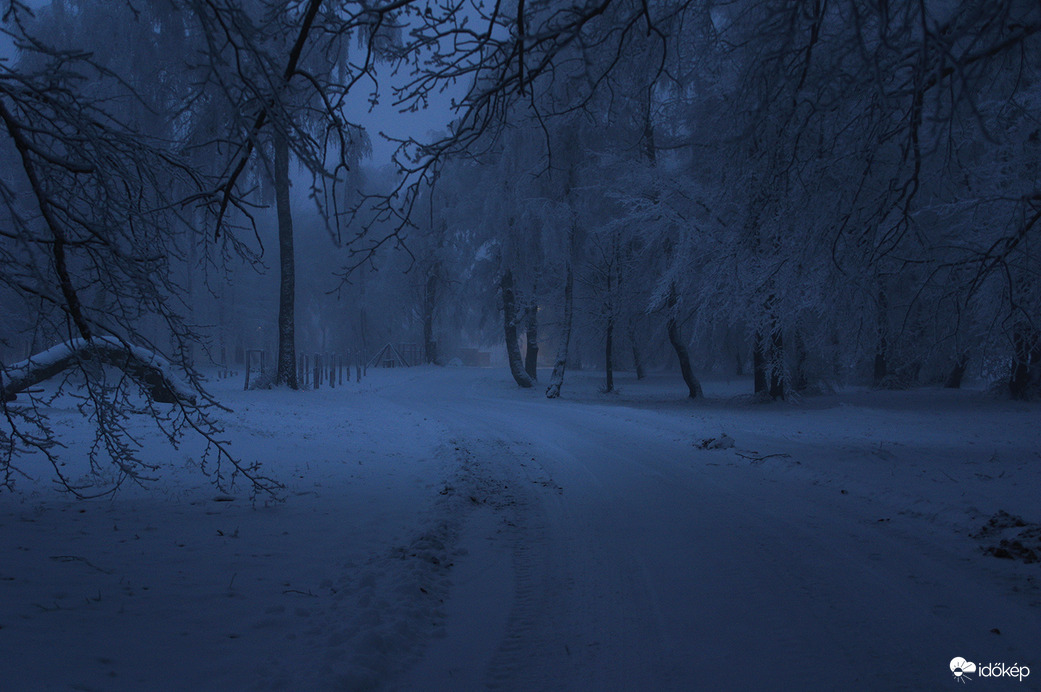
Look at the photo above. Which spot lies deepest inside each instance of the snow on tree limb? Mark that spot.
(150, 370)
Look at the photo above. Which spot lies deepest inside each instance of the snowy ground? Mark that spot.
(444, 530)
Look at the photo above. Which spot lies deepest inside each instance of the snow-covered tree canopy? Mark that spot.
(831, 189)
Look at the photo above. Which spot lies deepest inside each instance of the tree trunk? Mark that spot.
(954, 378)
(531, 333)
(1025, 380)
(802, 379)
(362, 322)
(759, 365)
(693, 386)
(189, 290)
(768, 363)
(509, 316)
(285, 368)
(609, 345)
(777, 380)
(881, 366)
(429, 303)
(637, 359)
(556, 380)
(880, 370)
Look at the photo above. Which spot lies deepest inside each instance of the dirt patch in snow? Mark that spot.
(1010, 537)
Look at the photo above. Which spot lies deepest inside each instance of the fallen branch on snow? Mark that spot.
(150, 370)
(756, 457)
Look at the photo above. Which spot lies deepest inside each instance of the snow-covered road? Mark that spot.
(642, 562)
(443, 529)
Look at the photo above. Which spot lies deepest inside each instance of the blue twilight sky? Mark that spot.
(383, 118)
(387, 119)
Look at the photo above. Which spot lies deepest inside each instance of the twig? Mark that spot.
(764, 457)
(77, 558)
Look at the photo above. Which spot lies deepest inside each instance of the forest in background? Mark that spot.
(811, 192)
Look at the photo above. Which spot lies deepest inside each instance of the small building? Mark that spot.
(388, 357)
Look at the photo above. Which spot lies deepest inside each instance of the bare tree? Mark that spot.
(94, 196)
(556, 379)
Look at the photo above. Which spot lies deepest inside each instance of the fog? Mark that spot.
(511, 290)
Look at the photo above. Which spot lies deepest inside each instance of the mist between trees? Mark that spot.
(807, 192)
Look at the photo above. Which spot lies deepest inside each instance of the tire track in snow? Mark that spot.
(506, 486)
(381, 613)
(558, 589)
(532, 594)
(478, 505)
(506, 478)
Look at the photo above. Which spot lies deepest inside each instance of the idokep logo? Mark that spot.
(961, 668)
